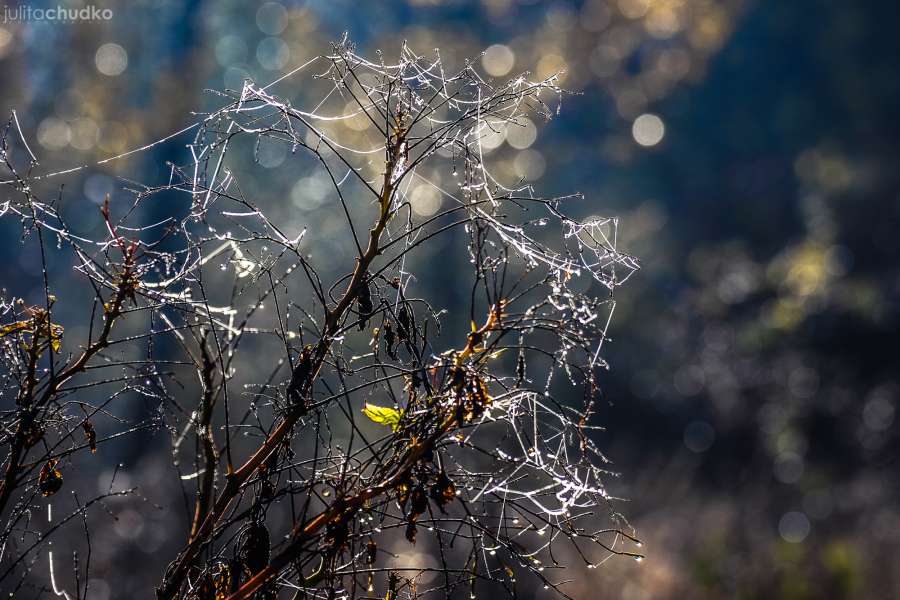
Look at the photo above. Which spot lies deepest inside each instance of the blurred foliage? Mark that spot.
(749, 150)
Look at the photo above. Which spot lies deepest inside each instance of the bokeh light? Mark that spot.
(111, 59)
(498, 60)
(648, 130)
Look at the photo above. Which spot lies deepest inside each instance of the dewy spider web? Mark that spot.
(280, 348)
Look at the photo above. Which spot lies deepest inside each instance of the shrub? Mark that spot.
(325, 412)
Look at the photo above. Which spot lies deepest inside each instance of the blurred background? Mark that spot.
(750, 151)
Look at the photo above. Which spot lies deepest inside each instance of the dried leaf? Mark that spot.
(50, 480)
(411, 532)
(443, 491)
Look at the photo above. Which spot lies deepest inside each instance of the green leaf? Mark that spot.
(383, 415)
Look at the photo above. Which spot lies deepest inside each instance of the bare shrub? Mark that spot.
(330, 392)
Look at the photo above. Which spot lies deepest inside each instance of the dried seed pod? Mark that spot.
(299, 377)
(404, 326)
(90, 434)
(364, 305)
(418, 502)
(411, 532)
(266, 490)
(266, 487)
(336, 533)
(402, 490)
(255, 548)
(50, 480)
(390, 340)
(442, 490)
(371, 552)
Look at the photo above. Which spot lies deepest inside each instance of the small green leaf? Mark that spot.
(383, 415)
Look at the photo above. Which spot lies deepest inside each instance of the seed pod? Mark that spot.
(404, 325)
(371, 552)
(402, 490)
(336, 534)
(266, 490)
(364, 304)
(254, 549)
(418, 502)
(266, 487)
(390, 340)
(300, 376)
(411, 532)
(91, 435)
